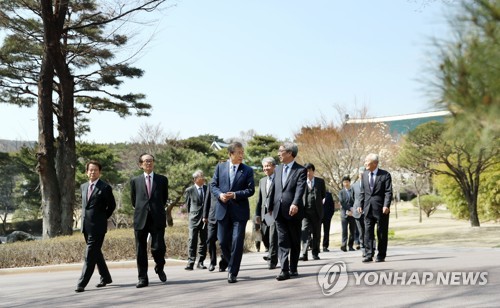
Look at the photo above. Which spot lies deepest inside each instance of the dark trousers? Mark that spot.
(212, 242)
(158, 248)
(195, 233)
(231, 235)
(382, 235)
(326, 231)
(265, 230)
(273, 244)
(311, 231)
(93, 257)
(360, 230)
(289, 233)
(348, 224)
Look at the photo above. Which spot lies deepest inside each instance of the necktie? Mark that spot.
(309, 184)
(200, 191)
(148, 185)
(371, 180)
(268, 184)
(285, 174)
(91, 189)
(232, 173)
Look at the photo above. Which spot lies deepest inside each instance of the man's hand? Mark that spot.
(360, 210)
(293, 210)
(386, 210)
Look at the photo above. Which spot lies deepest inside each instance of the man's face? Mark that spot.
(200, 180)
(370, 165)
(147, 163)
(268, 168)
(284, 155)
(93, 172)
(310, 174)
(347, 184)
(237, 156)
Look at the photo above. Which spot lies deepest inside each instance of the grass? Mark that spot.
(405, 230)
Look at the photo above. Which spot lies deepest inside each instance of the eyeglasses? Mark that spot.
(148, 161)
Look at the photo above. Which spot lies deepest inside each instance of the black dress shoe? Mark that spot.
(283, 276)
(162, 276)
(351, 249)
(316, 257)
(343, 248)
(294, 274)
(272, 266)
(380, 260)
(303, 258)
(141, 284)
(222, 266)
(103, 283)
(189, 267)
(326, 250)
(231, 278)
(358, 247)
(79, 289)
(201, 266)
(266, 258)
(211, 268)
(367, 259)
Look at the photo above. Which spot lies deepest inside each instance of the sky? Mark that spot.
(223, 67)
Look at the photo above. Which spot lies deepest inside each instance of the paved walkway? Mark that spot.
(53, 286)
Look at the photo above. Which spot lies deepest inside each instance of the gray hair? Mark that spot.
(291, 147)
(197, 174)
(270, 160)
(372, 157)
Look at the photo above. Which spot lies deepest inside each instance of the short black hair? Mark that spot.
(93, 162)
(346, 178)
(310, 166)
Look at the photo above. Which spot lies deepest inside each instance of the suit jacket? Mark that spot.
(372, 202)
(346, 199)
(209, 206)
(194, 203)
(264, 199)
(319, 191)
(143, 204)
(328, 206)
(290, 192)
(243, 186)
(99, 207)
(357, 195)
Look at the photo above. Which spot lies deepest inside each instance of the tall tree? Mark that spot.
(430, 145)
(59, 54)
(259, 147)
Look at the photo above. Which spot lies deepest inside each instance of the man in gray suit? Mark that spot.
(98, 203)
(359, 217)
(375, 202)
(288, 208)
(346, 200)
(149, 195)
(194, 197)
(313, 203)
(268, 228)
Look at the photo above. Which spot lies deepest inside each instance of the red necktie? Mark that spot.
(91, 189)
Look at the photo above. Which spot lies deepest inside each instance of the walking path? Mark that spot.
(407, 273)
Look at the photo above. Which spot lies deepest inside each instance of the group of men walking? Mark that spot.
(289, 207)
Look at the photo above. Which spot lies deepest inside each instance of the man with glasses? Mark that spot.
(149, 194)
(287, 208)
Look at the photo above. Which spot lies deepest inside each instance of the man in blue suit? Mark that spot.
(232, 185)
(288, 208)
(375, 201)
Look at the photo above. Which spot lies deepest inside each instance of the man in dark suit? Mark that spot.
(346, 199)
(194, 197)
(359, 217)
(149, 194)
(288, 208)
(232, 184)
(328, 211)
(211, 222)
(375, 202)
(266, 188)
(313, 204)
(98, 203)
